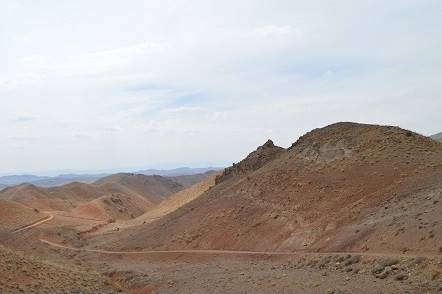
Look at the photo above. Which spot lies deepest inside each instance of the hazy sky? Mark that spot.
(109, 84)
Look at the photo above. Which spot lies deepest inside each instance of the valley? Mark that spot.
(347, 208)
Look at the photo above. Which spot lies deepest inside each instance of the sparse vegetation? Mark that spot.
(371, 193)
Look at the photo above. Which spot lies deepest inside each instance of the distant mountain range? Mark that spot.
(437, 136)
(181, 171)
(16, 179)
(46, 181)
(43, 181)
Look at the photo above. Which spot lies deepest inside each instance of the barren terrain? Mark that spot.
(346, 187)
(348, 208)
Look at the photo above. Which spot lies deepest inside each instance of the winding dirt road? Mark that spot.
(212, 251)
(236, 252)
(37, 223)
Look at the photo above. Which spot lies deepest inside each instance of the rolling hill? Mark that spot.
(189, 180)
(344, 187)
(119, 196)
(185, 176)
(178, 199)
(64, 197)
(114, 206)
(167, 205)
(153, 188)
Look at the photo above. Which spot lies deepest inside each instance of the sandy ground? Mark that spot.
(208, 272)
(375, 219)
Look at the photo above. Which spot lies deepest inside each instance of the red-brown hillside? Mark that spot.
(119, 196)
(20, 273)
(14, 216)
(343, 187)
(63, 197)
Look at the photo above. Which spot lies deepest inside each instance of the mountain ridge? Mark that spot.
(119, 196)
(62, 179)
(331, 180)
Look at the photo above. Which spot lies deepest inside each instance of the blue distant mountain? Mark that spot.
(43, 181)
(181, 171)
(46, 181)
(437, 136)
(17, 179)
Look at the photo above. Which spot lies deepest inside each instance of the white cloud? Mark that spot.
(182, 109)
(34, 60)
(132, 82)
(273, 31)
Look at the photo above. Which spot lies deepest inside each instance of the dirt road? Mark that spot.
(235, 252)
(37, 223)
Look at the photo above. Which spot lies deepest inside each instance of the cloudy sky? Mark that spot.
(92, 85)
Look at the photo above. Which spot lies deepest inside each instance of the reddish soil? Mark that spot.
(345, 187)
(15, 215)
(348, 208)
(119, 196)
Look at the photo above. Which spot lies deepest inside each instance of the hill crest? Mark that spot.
(326, 192)
(255, 160)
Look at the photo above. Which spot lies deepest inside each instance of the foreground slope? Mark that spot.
(20, 273)
(345, 187)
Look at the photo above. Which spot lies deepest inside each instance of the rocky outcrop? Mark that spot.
(255, 160)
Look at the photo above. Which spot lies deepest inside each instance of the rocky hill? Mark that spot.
(252, 162)
(344, 187)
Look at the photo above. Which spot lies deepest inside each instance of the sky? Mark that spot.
(98, 85)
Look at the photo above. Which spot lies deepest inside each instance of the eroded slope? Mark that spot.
(327, 192)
